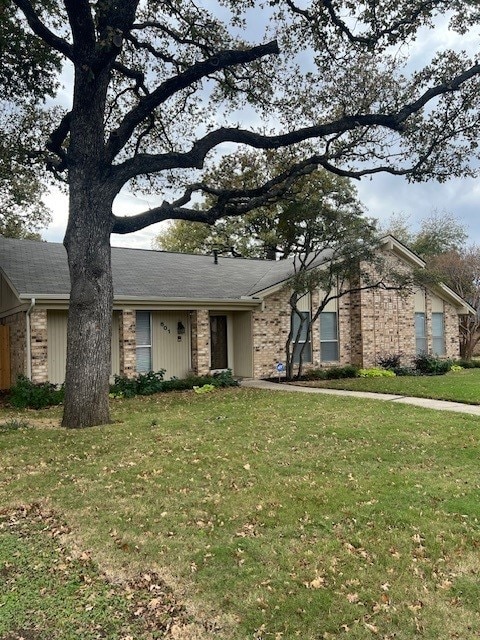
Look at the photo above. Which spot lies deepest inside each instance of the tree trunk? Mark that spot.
(90, 312)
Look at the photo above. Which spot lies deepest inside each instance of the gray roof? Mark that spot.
(40, 268)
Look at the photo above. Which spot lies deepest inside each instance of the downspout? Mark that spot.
(29, 340)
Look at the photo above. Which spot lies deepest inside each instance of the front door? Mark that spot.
(218, 342)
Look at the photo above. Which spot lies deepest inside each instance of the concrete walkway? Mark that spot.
(427, 403)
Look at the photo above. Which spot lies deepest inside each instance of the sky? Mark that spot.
(382, 194)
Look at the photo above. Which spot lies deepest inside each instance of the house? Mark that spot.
(198, 313)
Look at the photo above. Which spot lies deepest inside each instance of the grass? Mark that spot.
(458, 386)
(260, 516)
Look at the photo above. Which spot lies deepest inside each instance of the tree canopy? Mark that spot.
(279, 228)
(162, 89)
(439, 232)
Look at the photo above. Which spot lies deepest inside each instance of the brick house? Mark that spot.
(195, 313)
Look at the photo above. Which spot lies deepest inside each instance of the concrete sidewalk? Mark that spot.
(427, 403)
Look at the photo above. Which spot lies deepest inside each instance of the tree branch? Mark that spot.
(170, 87)
(42, 31)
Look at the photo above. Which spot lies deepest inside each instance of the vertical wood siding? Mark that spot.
(57, 345)
(243, 344)
(171, 350)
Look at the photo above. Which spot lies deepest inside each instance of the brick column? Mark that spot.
(201, 342)
(39, 345)
(128, 343)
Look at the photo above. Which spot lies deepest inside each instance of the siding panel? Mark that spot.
(171, 350)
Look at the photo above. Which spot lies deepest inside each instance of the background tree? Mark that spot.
(161, 89)
(440, 232)
(274, 230)
(460, 270)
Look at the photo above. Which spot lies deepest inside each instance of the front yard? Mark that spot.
(457, 386)
(241, 514)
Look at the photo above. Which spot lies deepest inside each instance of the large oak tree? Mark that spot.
(160, 89)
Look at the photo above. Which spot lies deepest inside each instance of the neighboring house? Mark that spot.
(185, 313)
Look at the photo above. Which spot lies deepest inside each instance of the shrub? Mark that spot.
(206, 388)
(468, 364)
(332, 373)
(406, 371)
(146, 384)
(390, 361)
(28, 395)
(456, 367)
(429, 365)
(376, 372)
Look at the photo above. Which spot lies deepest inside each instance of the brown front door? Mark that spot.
(218, 342)
(4, 357)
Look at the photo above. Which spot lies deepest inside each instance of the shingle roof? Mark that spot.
(40, 268)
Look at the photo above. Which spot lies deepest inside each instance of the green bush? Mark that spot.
(28, 395)
(429, 365)
(332, 373)
(468, 364)
(376, 372)
(149, 383)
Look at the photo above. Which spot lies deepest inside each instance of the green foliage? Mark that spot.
(206, 388)
(146, 384)
(332, 373)
(389, 361)
(430, 365)
(468, 364)
(27, 394)
(376, 372)
(456, 368)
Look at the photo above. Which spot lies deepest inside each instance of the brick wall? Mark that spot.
(452, 340)
(271, 326)
(126, 330)
(39, 345)
(18, 344)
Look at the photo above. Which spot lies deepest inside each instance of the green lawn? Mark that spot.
(459, 386)
(242, 514)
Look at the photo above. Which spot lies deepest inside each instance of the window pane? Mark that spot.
(420, 325)
(144, 359)
(329, 351)
(296, 324)
(438, 334)
(328, 325)
(143, 328)
(307, 353)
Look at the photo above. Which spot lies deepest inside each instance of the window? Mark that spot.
(329, 336)
(302, 339)
(420, 333)
(144, 342)
(438, 334)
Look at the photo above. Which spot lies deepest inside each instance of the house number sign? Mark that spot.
(165, 328)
